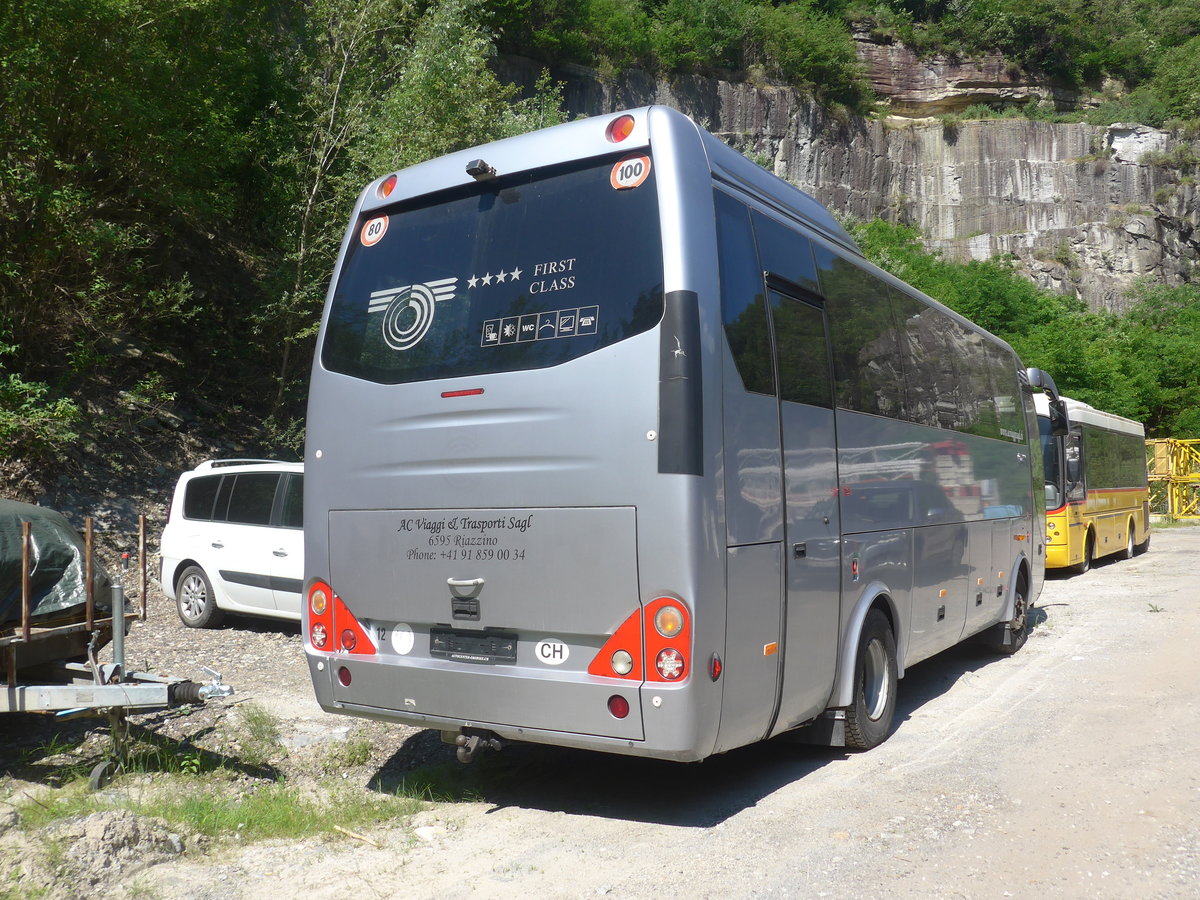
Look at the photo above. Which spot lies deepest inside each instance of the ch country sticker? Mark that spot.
(408, 310)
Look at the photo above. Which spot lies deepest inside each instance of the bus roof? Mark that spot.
(1080, 412)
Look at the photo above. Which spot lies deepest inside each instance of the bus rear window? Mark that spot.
(515, 273)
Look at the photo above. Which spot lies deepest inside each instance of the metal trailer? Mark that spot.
(54, 669)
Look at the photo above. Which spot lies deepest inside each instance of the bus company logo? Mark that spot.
(408, 310)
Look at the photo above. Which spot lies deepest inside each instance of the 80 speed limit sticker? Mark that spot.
(372, 233)
(630, 172)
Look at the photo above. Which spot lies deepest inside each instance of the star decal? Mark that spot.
(500, 278)
(472, 281)
(487, 279)
(515, 274)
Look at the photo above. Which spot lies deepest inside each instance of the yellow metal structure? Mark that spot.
(1174, 469)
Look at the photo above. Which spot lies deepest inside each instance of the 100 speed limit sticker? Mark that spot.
(630, 171)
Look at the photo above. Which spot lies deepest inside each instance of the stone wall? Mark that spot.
(1078, 205)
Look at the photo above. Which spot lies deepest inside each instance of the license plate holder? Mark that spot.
(489, 648)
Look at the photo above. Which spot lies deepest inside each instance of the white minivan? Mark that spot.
(234, 541)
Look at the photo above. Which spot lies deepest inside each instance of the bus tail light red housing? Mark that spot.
(658, 638)
(332, 628)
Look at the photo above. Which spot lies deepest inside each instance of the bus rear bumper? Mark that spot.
(487, 700)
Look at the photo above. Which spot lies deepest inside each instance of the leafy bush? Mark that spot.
(701, 35)
(33, 423)
(813, 50)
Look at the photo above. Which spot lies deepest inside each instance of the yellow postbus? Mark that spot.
(1097, 495)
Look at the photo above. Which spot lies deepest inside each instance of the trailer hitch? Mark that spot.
(472, 742)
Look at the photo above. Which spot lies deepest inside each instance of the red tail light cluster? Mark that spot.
(653, 644)
(331, 626)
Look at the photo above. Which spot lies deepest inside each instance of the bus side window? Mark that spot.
(867, 351)
(785, 252)
(743, 304)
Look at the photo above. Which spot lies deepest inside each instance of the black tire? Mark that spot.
(1015, 633)
(1129, 550)
(101, 775)
(1143, 547)
(195, 601)
(1089, 554)
(869, 718)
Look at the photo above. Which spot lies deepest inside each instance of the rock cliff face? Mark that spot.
(1083, 208)
(932, 86)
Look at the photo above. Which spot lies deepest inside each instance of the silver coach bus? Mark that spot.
(616, 441)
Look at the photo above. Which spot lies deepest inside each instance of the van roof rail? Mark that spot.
(216, 463)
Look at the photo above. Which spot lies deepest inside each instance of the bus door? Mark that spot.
(811, 549)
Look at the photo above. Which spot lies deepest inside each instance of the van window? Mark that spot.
(199, 495)
(292, 514)
(252, 498)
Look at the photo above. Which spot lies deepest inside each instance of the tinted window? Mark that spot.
(1114, 460)
(867, 350)
(252, 498)
(785, 253)
(1006, 391)
(803, 356)
(199, 495)
(292, 514)
(519, 272)
(743, 306)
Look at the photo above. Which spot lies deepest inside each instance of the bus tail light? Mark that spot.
(331, 625)
(621, 655)
(320, 616)
(670, 664)
(352, 637)
(618, 706)
(668, 640)
(387, 186)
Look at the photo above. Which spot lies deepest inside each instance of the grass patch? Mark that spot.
(222, 808)
(277, 810)
(348, 754)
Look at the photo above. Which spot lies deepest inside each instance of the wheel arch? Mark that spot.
(875, 595)
(180, 568)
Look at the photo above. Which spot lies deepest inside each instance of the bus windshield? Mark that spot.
(518, 272)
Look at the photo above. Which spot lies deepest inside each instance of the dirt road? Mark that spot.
(1068, 770)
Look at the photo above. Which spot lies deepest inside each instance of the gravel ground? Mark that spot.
(1066, 771)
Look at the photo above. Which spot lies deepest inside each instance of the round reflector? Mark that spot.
(618, 706)
(349, 639)
(387, 186)
(344, 676)
(622, 662)
(670, 664)
(319, 601)
(620, 128)
(319, 635)
(668, 621)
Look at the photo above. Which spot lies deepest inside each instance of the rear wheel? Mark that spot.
(1141, 548)
(1089, 550)
(195, 601)
(869, 718)
(1016, 631)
